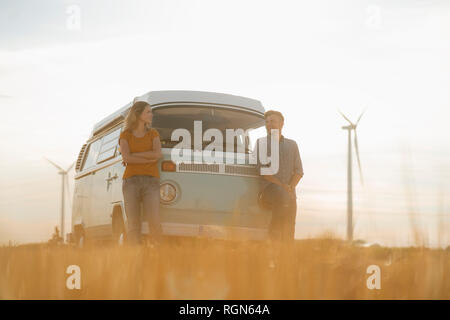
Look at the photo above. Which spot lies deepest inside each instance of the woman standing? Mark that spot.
(141, 148)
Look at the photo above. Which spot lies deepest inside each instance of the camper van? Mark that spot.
(218, 200)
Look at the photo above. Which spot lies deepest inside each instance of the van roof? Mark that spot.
(158, 98)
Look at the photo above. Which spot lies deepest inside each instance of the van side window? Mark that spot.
(92, 154)
(109, 146)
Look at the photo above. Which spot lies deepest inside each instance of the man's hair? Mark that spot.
(273, 112)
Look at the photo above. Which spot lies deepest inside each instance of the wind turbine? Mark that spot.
(349, 129)
(63, 174)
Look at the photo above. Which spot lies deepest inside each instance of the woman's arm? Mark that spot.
(127, 157)
(155, 154)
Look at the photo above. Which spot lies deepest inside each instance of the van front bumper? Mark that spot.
(210, 231)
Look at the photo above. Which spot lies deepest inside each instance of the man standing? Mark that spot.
(278, 189)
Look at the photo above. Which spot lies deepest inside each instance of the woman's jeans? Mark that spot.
(142, 190)
(284, 211)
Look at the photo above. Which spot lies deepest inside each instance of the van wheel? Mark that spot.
(119, 233)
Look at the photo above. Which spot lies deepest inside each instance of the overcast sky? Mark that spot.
(64, 65)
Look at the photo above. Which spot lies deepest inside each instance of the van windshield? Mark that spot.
(167, 119)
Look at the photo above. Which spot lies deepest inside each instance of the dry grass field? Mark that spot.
(324, 268)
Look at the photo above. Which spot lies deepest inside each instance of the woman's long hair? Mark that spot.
(131, 120)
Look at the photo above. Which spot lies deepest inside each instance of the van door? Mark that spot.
(83, 187)
(81, 201)
(116, 183)
(102, 183)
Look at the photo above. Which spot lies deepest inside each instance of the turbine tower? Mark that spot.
(63, 174)
(349, 129)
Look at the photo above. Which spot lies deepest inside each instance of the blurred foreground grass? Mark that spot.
(209, 269)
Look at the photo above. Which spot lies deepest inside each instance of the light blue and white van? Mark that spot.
(197, 199)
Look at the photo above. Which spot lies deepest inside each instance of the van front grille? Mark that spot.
(241, 171)
(226, 169)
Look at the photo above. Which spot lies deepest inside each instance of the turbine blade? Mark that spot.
(360, 116)
(357, 157)
(68, 169)
(54, 164)
(345, 117)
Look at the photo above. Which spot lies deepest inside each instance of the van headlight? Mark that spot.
(168, 192)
